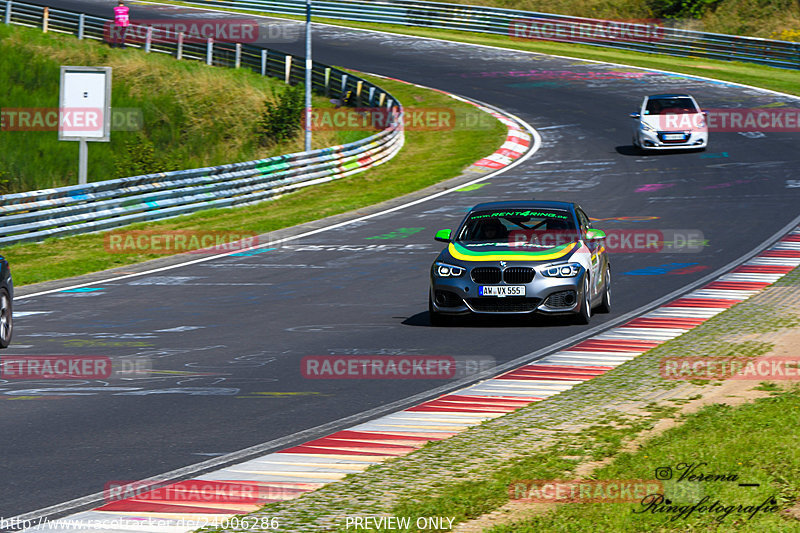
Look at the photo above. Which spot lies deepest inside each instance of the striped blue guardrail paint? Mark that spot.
(37, 215)
(522, 25)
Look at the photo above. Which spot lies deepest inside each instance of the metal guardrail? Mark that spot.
(37, 215)
(525, 25)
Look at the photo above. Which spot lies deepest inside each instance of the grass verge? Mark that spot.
(427, 158)
(776, 79)
(184, 114)
(745, 444)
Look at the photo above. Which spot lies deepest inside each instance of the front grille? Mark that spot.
(561, 299)
(447, 299)
(509, 304)
(518, 275)
(486, 275)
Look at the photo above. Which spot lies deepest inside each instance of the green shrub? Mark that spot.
(682, 9)
(281, 119)
(139, 158)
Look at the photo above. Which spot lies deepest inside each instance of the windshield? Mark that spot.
(669, 106)
(540, 228)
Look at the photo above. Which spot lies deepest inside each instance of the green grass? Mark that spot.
(776, 79)
(757, 443)
(427, 158)
(777, 19)
(193, 115)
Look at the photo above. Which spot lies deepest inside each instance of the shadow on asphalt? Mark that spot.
(509, 321)
(631, 150)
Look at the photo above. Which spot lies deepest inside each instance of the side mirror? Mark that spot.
(635, 115)
(595, 234)
(443, 235)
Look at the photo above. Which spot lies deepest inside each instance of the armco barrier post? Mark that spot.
(381, 99)
(148, 39)
(238, 55)
(288, 70)
(209, 51)
(359, 87)
(264, 62)
(81, 24)
(343, 90)
(371, 94)
(179, 52)
(45, 19)
(7, 18)
(327, 82)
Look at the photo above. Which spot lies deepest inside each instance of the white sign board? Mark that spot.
(85, 104)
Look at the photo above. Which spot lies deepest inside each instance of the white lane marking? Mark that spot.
(650, 334)
(722, 294)
(751, 276)
(787, 245)
(774, 261)
(684, 312)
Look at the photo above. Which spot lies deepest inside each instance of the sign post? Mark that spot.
(309, 68)
(84, 106)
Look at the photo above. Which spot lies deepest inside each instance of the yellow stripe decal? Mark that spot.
(456, 251)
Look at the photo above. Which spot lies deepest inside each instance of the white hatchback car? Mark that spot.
(670, 122)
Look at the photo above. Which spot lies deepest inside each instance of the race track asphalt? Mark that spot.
(226, 336)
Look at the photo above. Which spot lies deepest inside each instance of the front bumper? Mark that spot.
(460, 296)
(658, 140)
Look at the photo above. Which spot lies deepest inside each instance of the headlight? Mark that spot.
(443, 270)
(566, 270)
(646, 127)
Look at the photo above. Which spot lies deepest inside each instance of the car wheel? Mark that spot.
(605, 305)
(437, 319)
(585, 312)
(6, 322)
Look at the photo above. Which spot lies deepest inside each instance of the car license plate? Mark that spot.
(501, 290)
(674, 137)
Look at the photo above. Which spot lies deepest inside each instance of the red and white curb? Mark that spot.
(517, 143)
(214, 498)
